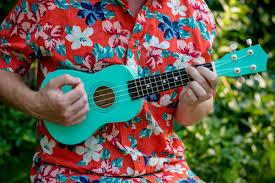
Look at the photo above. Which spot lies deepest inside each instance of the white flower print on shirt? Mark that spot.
(187, 53)
(154, 42)
(176, 8)
(47, 146)
(165, 100)
(133, 152)
(157, 162)
(107, 168)
(175, 168)
(112, 135)
(90, 150)
(134, 173)
(79, 38)
(52, 36)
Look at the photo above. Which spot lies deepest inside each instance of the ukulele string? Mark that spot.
(228, 61)
(131, 99)
(184, 80)
(123, 85)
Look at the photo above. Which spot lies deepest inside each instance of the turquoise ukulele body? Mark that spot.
(121, 109)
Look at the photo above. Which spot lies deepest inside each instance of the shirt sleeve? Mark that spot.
(17, 37)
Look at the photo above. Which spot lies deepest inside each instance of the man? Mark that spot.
(148, 36)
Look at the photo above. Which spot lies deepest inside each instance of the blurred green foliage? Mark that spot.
(234, 144)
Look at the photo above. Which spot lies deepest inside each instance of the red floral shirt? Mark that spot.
(91, 35)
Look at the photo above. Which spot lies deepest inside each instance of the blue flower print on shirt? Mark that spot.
(93, 13)
(172, 29)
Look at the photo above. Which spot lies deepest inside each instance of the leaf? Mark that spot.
(183, 21)
(105, 154)
(82, 163)
(165, 53)
(202, 26)
(192, 23)
(120, 51)
(110, 180)
(133, 141)
(138, 54)
(137, 28)
(25, 6)
(174, 95)
(145, 133)
(149, 14)
(184, 34)
(159, 16)
(137, 119)
(206, 35)
(61, 178)
(76, 4)
(6, 58)
(170, 68)
(79, 60)
(62, 4)
(101, 53)
(108, 14)
(68, 29)
(61, 49)
(165, 116)
(147, 37)
(117, 163)
(35, 7)
(66, 64)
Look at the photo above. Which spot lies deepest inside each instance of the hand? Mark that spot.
(63, 108)
(201, 88)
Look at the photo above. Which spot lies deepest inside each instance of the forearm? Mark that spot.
(187, 114)
(15, 93)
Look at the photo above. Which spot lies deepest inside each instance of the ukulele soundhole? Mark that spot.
(104, 97)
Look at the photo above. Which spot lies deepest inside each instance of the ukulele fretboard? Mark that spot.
(146, 86)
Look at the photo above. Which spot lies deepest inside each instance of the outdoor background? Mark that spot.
(235, 144)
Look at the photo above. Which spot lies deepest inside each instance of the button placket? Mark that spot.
(134, 45)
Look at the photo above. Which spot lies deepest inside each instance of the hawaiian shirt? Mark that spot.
(90, 35)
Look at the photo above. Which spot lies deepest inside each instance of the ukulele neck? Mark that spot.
(146, 86)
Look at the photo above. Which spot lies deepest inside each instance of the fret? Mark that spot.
(132, 90)
(154, 88)
(178, 80)
(157, 81)
(167, 80)
(171, 80)
(184, 77)
(161, 81)
(144, 87)
(149, 85)
(142, 92)
(139, 89)
(164, 81)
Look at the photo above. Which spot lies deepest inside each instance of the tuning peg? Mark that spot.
(233, 47)
(241, 79)
(249, 42)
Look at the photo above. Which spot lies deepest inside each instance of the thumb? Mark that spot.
(66, 79)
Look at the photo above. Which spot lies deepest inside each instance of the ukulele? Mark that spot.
(120, 97)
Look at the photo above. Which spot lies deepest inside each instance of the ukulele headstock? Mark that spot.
(250, 60)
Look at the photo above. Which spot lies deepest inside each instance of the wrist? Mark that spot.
(34, 104)
(188, 114)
